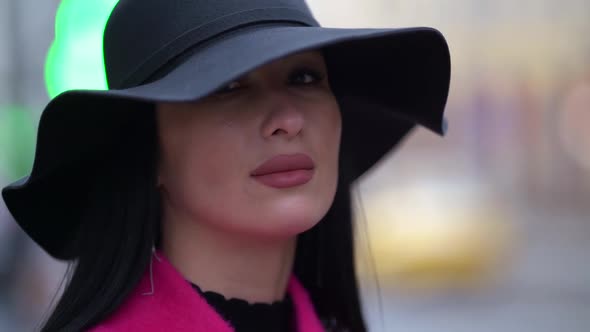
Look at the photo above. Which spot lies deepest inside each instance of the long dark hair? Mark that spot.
(122, 221)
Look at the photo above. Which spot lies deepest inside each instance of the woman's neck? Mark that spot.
(234, 265)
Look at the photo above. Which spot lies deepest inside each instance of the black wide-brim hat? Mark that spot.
(385, 80)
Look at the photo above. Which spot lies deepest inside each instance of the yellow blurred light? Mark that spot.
(423, 238)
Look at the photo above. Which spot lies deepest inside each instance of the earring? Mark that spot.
(154, 254)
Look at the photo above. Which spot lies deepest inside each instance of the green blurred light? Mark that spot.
(75, 58)
(17, 141)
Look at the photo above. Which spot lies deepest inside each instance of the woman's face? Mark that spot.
(210, 149)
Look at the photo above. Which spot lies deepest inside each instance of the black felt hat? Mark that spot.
(385, 80)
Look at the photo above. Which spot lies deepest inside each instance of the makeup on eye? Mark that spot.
(315, 75)
(310, 76)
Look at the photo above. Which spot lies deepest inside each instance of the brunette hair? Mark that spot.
(121, 223)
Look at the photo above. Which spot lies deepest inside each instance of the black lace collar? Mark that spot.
(246, 317)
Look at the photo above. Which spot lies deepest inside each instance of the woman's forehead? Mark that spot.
(310, 57)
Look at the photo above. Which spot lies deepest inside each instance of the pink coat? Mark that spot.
(176, 306)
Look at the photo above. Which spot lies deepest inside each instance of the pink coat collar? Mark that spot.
(176, 306)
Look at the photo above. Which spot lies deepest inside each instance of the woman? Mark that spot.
(208, 189)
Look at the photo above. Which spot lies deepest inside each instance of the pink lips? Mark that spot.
(285, 171)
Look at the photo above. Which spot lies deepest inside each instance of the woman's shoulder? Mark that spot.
(163, 301)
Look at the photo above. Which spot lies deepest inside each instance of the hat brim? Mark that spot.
(386, 81)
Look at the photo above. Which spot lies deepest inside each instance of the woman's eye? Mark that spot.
(232, 86)
(307, 76)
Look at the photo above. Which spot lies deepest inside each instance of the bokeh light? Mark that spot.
(17, 141)
(75, 58)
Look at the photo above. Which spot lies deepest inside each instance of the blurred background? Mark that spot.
(486, 229)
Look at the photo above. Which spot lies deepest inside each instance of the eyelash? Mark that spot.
(316, 76)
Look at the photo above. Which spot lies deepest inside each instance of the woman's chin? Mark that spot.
(280, 217)
(299, 209)
(294, 221)
(281, 225)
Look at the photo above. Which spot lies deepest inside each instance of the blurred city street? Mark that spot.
(544, 289)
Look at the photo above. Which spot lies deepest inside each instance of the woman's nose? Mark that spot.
(284, 119)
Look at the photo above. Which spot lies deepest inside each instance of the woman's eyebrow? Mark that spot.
(290, 64)
(308, 61)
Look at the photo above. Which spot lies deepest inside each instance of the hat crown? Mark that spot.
(143, 35)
